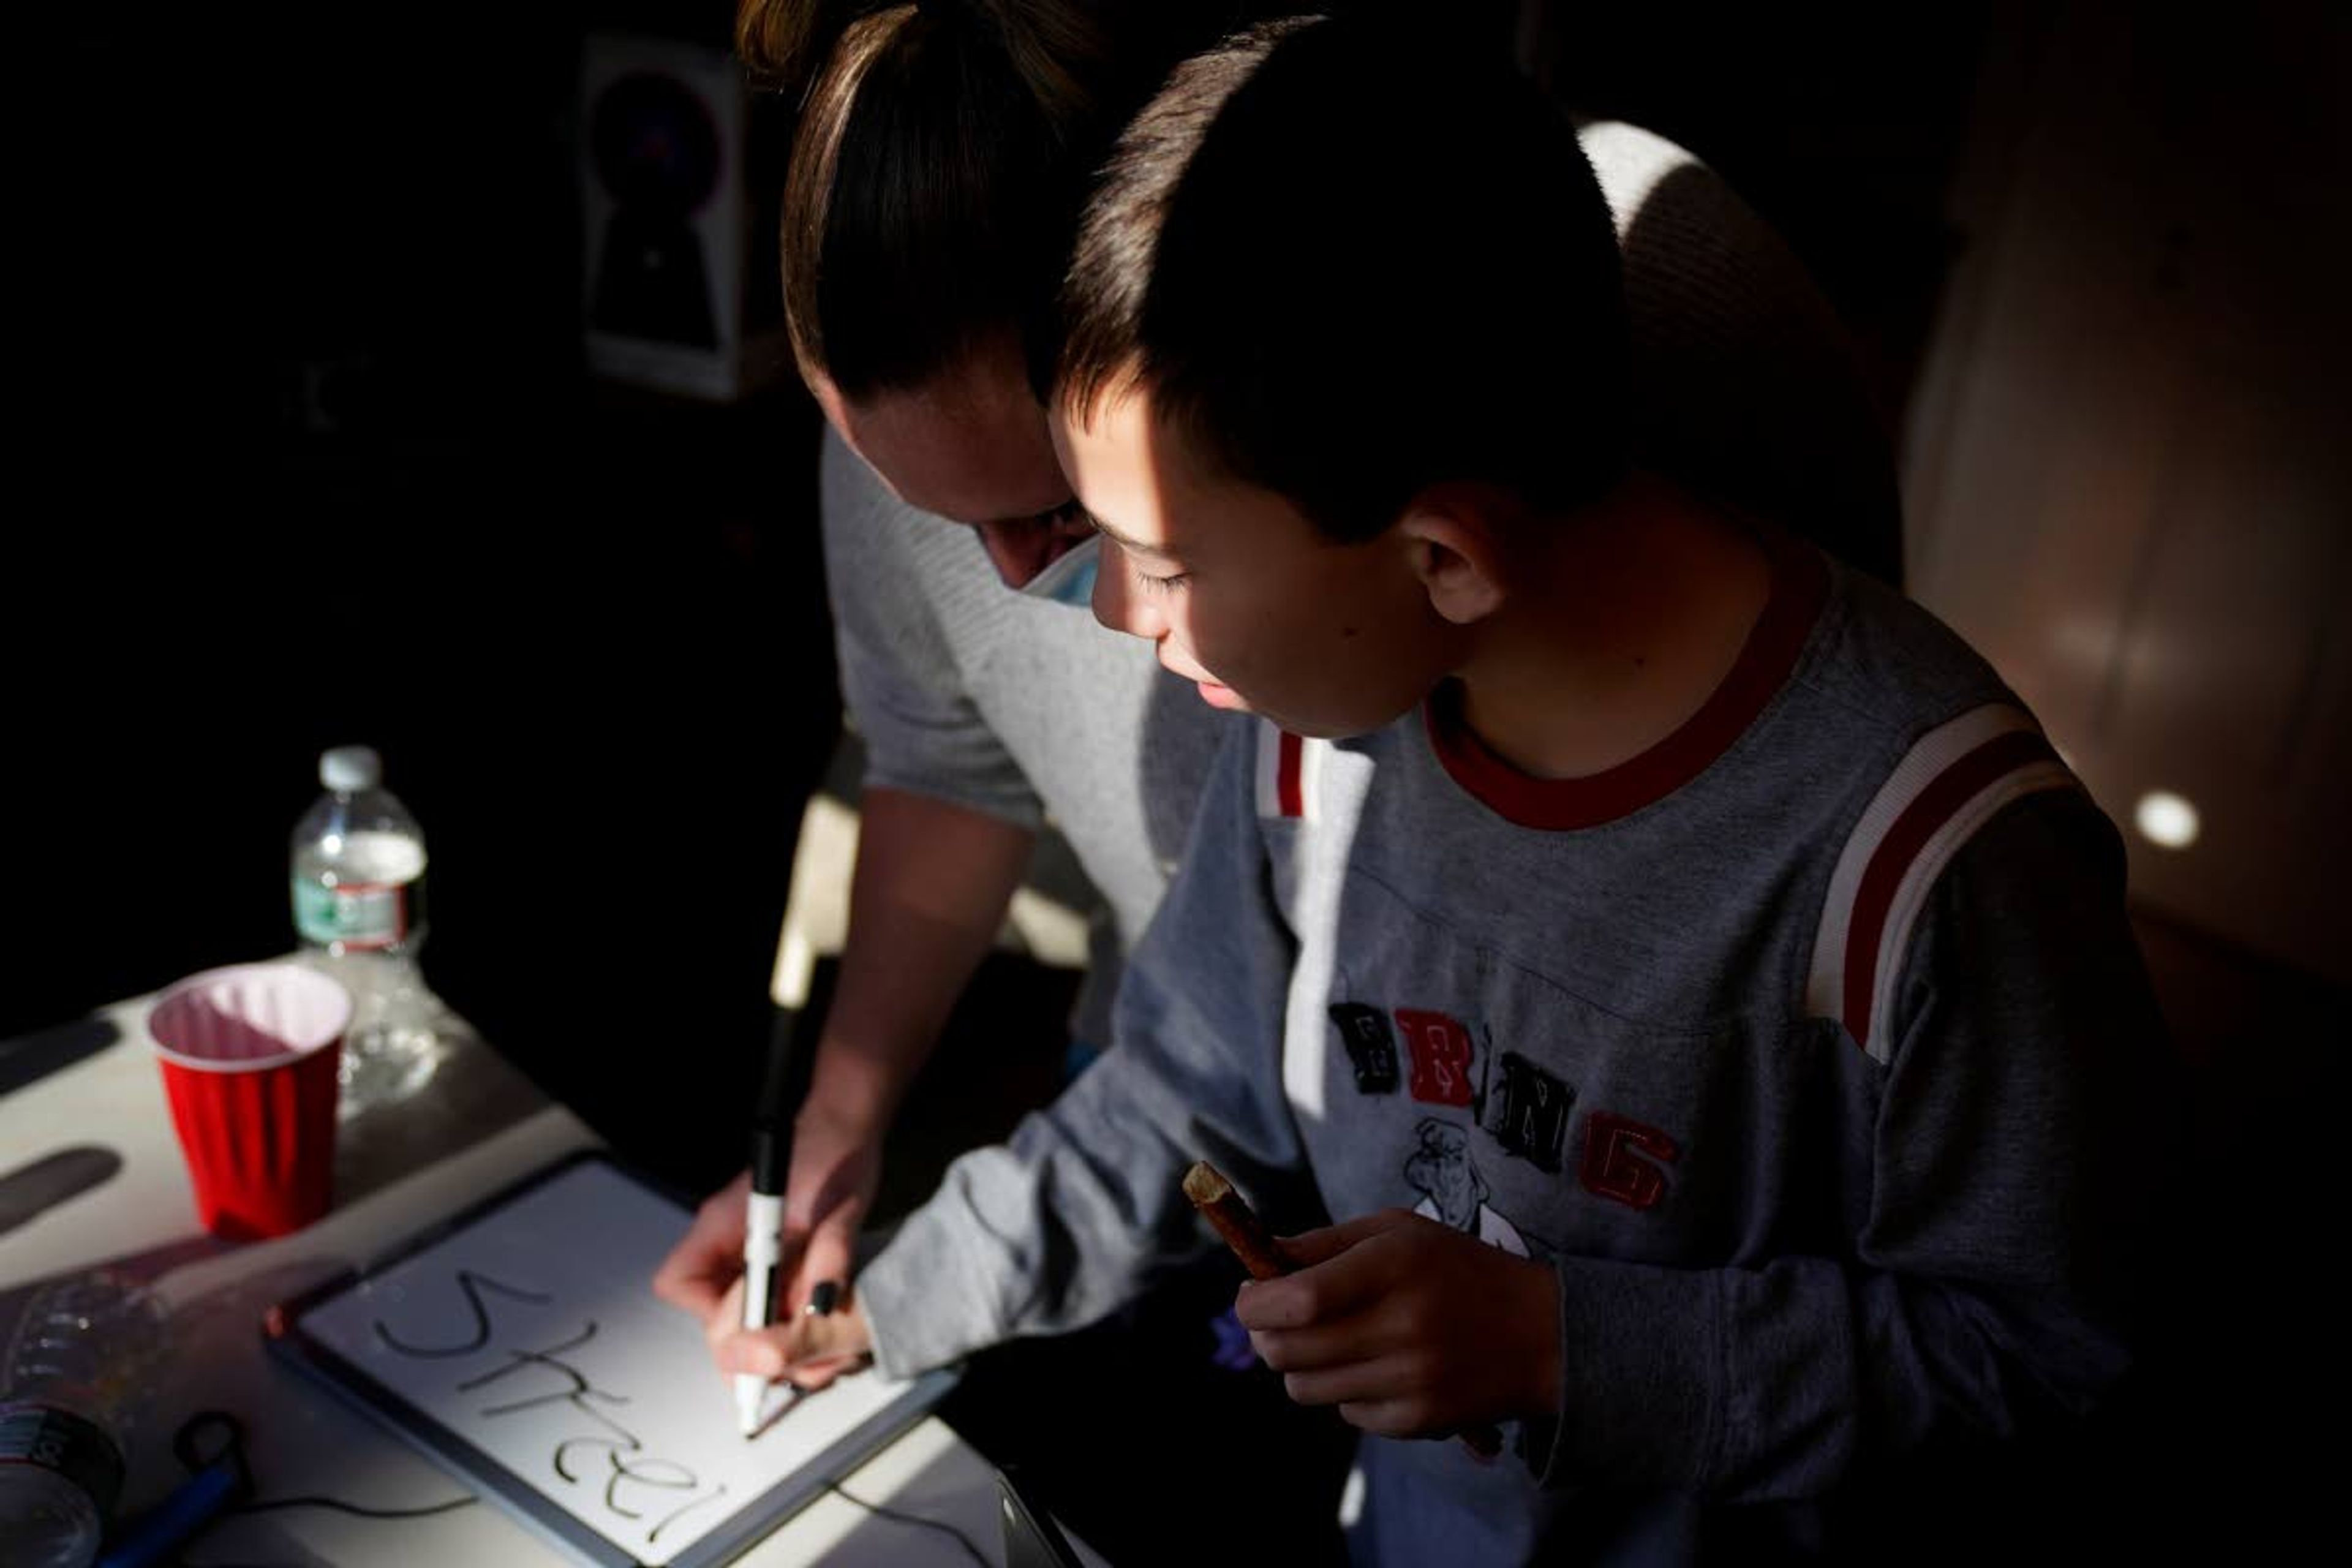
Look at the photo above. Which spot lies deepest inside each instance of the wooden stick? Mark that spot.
(1263, 1257)
(1243, 1232)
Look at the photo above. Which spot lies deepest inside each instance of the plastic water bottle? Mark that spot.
(359, 906)
(74, 1386)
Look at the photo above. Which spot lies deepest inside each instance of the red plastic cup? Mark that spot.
(250, 1054)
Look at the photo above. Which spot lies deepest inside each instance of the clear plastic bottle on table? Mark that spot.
(75, 1375)
(359, 907)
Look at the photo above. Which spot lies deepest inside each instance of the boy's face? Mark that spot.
(1239, 592)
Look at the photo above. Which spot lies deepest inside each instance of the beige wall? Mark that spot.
(2128, 467)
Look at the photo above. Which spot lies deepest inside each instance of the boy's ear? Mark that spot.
(1450, 541)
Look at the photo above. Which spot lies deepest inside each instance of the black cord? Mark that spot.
(337, 1505)
(212, 1437)
(352, 1508)
(876, 1509)
(227, 1424)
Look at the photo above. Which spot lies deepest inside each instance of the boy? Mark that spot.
(1710, 1019)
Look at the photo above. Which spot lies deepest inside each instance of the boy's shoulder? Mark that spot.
(1883, 666)
(1941, 748)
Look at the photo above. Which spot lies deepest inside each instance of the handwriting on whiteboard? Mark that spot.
(635, 1482)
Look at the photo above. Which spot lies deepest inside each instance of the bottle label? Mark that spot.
(60, 1440)
(355, 916)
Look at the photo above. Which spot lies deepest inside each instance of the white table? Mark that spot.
(392, 1181)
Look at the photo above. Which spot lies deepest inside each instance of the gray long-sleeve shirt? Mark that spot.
(1811, 1051)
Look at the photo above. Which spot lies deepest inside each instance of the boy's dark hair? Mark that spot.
(939, 165)
(1349, 261)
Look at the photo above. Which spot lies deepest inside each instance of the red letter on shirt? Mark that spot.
(1609, 1169)
(1441, 1057)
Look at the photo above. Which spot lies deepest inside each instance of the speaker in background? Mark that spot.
(681, 167)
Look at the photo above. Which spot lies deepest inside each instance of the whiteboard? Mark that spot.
(523, 1344)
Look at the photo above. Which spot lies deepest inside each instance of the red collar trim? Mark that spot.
(1800, 583)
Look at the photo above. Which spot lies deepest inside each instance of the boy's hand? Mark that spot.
(1412, 1329)
(807, 1349)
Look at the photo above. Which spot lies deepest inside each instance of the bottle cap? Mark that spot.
(349, 769)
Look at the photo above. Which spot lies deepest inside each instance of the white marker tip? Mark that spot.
(751, 1401)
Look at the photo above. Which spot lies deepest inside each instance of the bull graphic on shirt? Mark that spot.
(1453, 1193)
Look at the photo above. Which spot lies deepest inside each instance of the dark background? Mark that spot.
(305, 454)
(311, 459)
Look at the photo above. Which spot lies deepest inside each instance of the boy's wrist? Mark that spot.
(1540, 1314)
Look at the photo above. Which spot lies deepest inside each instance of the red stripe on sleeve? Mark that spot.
(1952, 789)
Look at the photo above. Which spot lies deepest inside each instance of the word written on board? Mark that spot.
(534, 1378)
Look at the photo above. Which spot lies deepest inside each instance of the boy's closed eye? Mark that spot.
(1137, 554)
(1158, 584)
